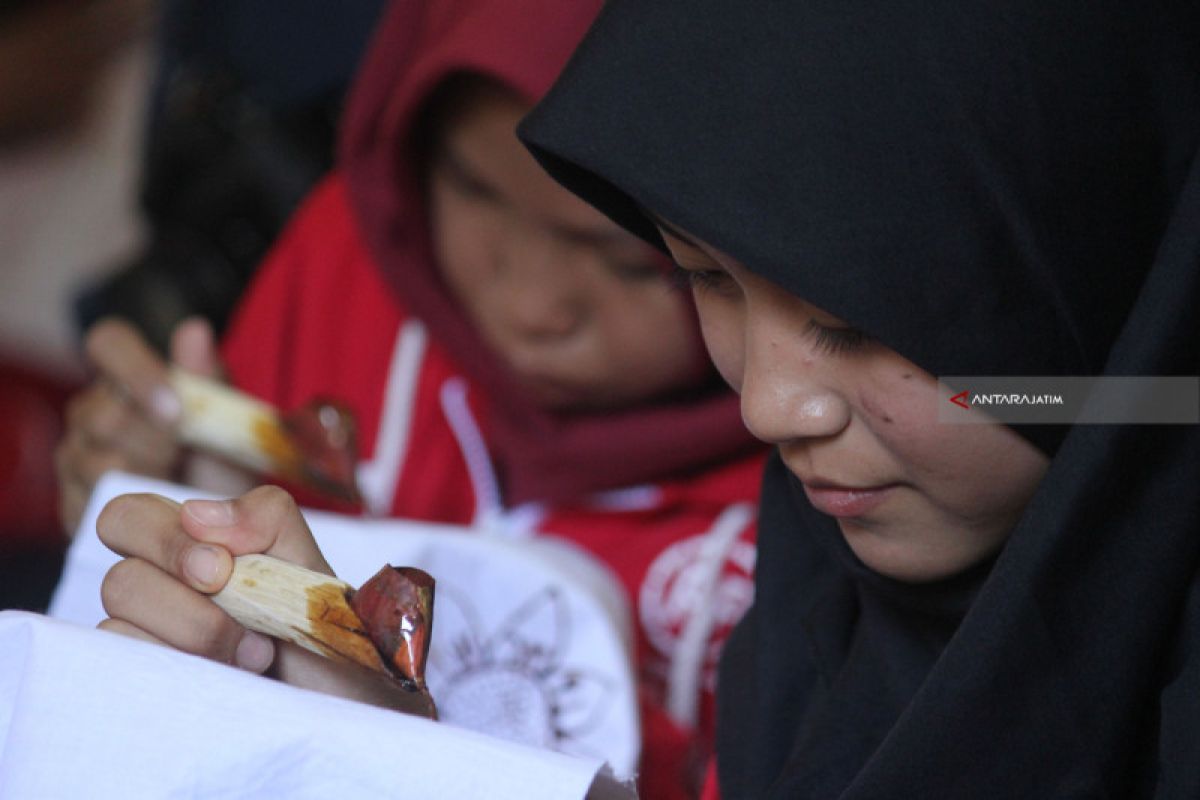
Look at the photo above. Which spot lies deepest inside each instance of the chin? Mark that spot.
(908, 556)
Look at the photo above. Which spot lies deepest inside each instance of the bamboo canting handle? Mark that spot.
(384, 626)
(314, 445)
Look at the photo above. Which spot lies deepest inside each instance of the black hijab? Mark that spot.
(988, 189)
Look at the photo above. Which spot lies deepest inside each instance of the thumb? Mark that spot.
(264, 520)
(194, 348)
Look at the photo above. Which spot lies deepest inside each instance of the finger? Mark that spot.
(123, 356)
(194, 347)
(253, 653)
(142, 452)
(308, 670)
(79, 459)
(123, 628)
(216, 475)
(104, 420)
(97, 411)
(144, 596)
(264, 520)
(90, 465)
(71, 504)
(72, 492)
(77, 463)
(78, 472)
(147, 448)
(147, 527)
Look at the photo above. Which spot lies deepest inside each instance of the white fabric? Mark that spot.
(530, 641)
(84, 713)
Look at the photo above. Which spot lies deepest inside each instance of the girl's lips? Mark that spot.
(840, 502)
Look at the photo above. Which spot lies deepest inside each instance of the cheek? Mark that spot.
(899, 406)
(981, 474)
(462, 242)
(900, 413)
(898, 402)
(651, 313)
(997, 471)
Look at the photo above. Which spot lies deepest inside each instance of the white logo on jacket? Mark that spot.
(693, 593)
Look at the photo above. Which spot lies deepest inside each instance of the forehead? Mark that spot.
(479, 136)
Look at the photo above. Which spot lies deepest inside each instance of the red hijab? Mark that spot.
(522, 44)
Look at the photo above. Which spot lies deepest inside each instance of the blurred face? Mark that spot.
(857, 424)
(581, 311)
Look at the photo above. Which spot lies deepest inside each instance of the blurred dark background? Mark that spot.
(240, 110)
(241, 123)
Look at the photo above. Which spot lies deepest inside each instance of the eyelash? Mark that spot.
(643, 272)
(834, 341)
(697, 279)
(466, 184)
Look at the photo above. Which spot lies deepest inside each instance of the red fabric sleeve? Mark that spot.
(293, 314)
(319, 321)
(710, 790)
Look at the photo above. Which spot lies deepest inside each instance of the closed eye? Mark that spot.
(464, 180)
(837, 340)
(702, 280)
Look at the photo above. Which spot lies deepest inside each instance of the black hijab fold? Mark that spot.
(988, 189)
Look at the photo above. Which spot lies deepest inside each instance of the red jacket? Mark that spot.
(319, 320)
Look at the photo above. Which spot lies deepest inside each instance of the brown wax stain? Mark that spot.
(337, 630)
(273, 440)
(290, 462)
(249, 582)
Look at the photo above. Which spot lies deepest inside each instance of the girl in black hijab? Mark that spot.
(867, 195)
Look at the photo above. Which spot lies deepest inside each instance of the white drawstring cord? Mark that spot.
(691, 649)
(377, 478)
(488, 506)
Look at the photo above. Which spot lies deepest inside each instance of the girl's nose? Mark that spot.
(787, 391)
(542, 290)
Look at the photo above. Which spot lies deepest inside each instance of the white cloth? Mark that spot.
(84, 713)
(530, 641)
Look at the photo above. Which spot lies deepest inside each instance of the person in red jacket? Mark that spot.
(488, 332)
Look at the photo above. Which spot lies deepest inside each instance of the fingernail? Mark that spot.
(165, 404)
(201, 564)
(214, 513)
(255, 652)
